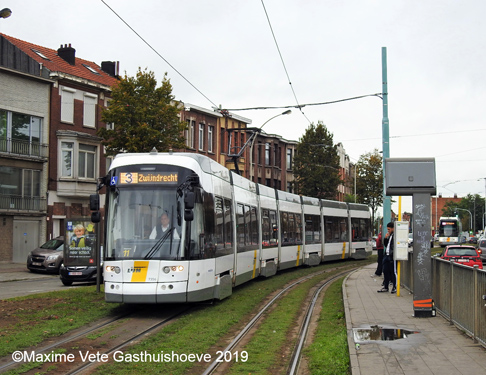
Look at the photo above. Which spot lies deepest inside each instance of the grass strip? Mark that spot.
(66, 311)
(267, 348)
(329, 353)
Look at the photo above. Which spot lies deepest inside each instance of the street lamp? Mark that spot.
(470, 216)
(484, 221)
(254, 135)
(5, 13)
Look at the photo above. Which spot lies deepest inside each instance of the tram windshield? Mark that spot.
(449, 228)
(142, 219)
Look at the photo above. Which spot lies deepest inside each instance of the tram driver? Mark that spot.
(160, 229)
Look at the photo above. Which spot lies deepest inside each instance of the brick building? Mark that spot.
(63, 111)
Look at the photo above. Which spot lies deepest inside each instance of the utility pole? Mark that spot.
(386, 138)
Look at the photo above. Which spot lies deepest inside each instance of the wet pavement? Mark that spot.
(385, 338)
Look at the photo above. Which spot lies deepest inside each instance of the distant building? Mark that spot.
(345, 173)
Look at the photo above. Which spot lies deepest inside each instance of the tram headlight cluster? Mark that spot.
(167, 269)
(115, 269)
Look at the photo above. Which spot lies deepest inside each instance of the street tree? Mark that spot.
(449, 209)
(470, 209)
(316, 163)
(144, 116)
(369, 181)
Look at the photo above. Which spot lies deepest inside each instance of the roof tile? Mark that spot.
(56, 64)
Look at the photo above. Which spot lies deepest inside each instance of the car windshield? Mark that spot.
(461, 251)
(482, 243)
(54, 244)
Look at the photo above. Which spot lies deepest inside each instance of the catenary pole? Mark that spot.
(386, 138)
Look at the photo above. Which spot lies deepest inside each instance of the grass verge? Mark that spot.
(329, 353)
(51, 314)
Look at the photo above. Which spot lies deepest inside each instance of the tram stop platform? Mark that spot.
(385, 338)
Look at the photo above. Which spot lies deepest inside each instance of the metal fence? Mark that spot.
(458, 292)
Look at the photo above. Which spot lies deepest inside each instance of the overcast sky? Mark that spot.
(332, 50)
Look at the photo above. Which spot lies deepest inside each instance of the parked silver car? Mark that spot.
(48, 257)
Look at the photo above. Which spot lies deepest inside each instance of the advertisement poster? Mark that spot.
(80, 247)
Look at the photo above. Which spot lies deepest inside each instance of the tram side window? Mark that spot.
(269, 228)
(291, 228)
(208, 247)
(335, 229)
(240, 227)
(248, 225)
(298, 229)
(228, 224)
(343, 229)
(202, 228)
(223, 235)
(273, 228)
(312, 229)
(219, 217)
(361, 229)
(284, 226)
(254, 226)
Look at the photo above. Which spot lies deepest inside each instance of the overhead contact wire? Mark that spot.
(283, 63)
(158, 54)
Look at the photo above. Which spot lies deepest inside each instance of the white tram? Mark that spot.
(224, 229)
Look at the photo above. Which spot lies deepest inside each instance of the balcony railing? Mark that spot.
(22, 204)
(24, 148)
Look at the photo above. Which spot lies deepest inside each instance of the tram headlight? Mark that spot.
(167, 269)
(115, 269)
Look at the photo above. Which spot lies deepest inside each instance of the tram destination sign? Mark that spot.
(162, 178)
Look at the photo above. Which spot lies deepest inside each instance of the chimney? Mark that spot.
(110, 67)
(67, 53)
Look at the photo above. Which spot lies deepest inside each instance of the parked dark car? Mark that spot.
(482, 248)
(465, 255)
(72, 274)
(48, 257)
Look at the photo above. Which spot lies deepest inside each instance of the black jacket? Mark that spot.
(385, 243)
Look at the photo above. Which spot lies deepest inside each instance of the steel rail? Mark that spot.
(296, 355)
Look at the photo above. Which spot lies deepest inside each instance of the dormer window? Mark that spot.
(91, 69)
(39, 53)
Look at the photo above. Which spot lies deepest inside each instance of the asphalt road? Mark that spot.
(17, 281)
(19, 288)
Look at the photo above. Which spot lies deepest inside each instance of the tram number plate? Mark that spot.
(75, 273)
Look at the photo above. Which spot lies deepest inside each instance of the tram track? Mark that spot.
(144, 323)
(88, 345)
(218, 366)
